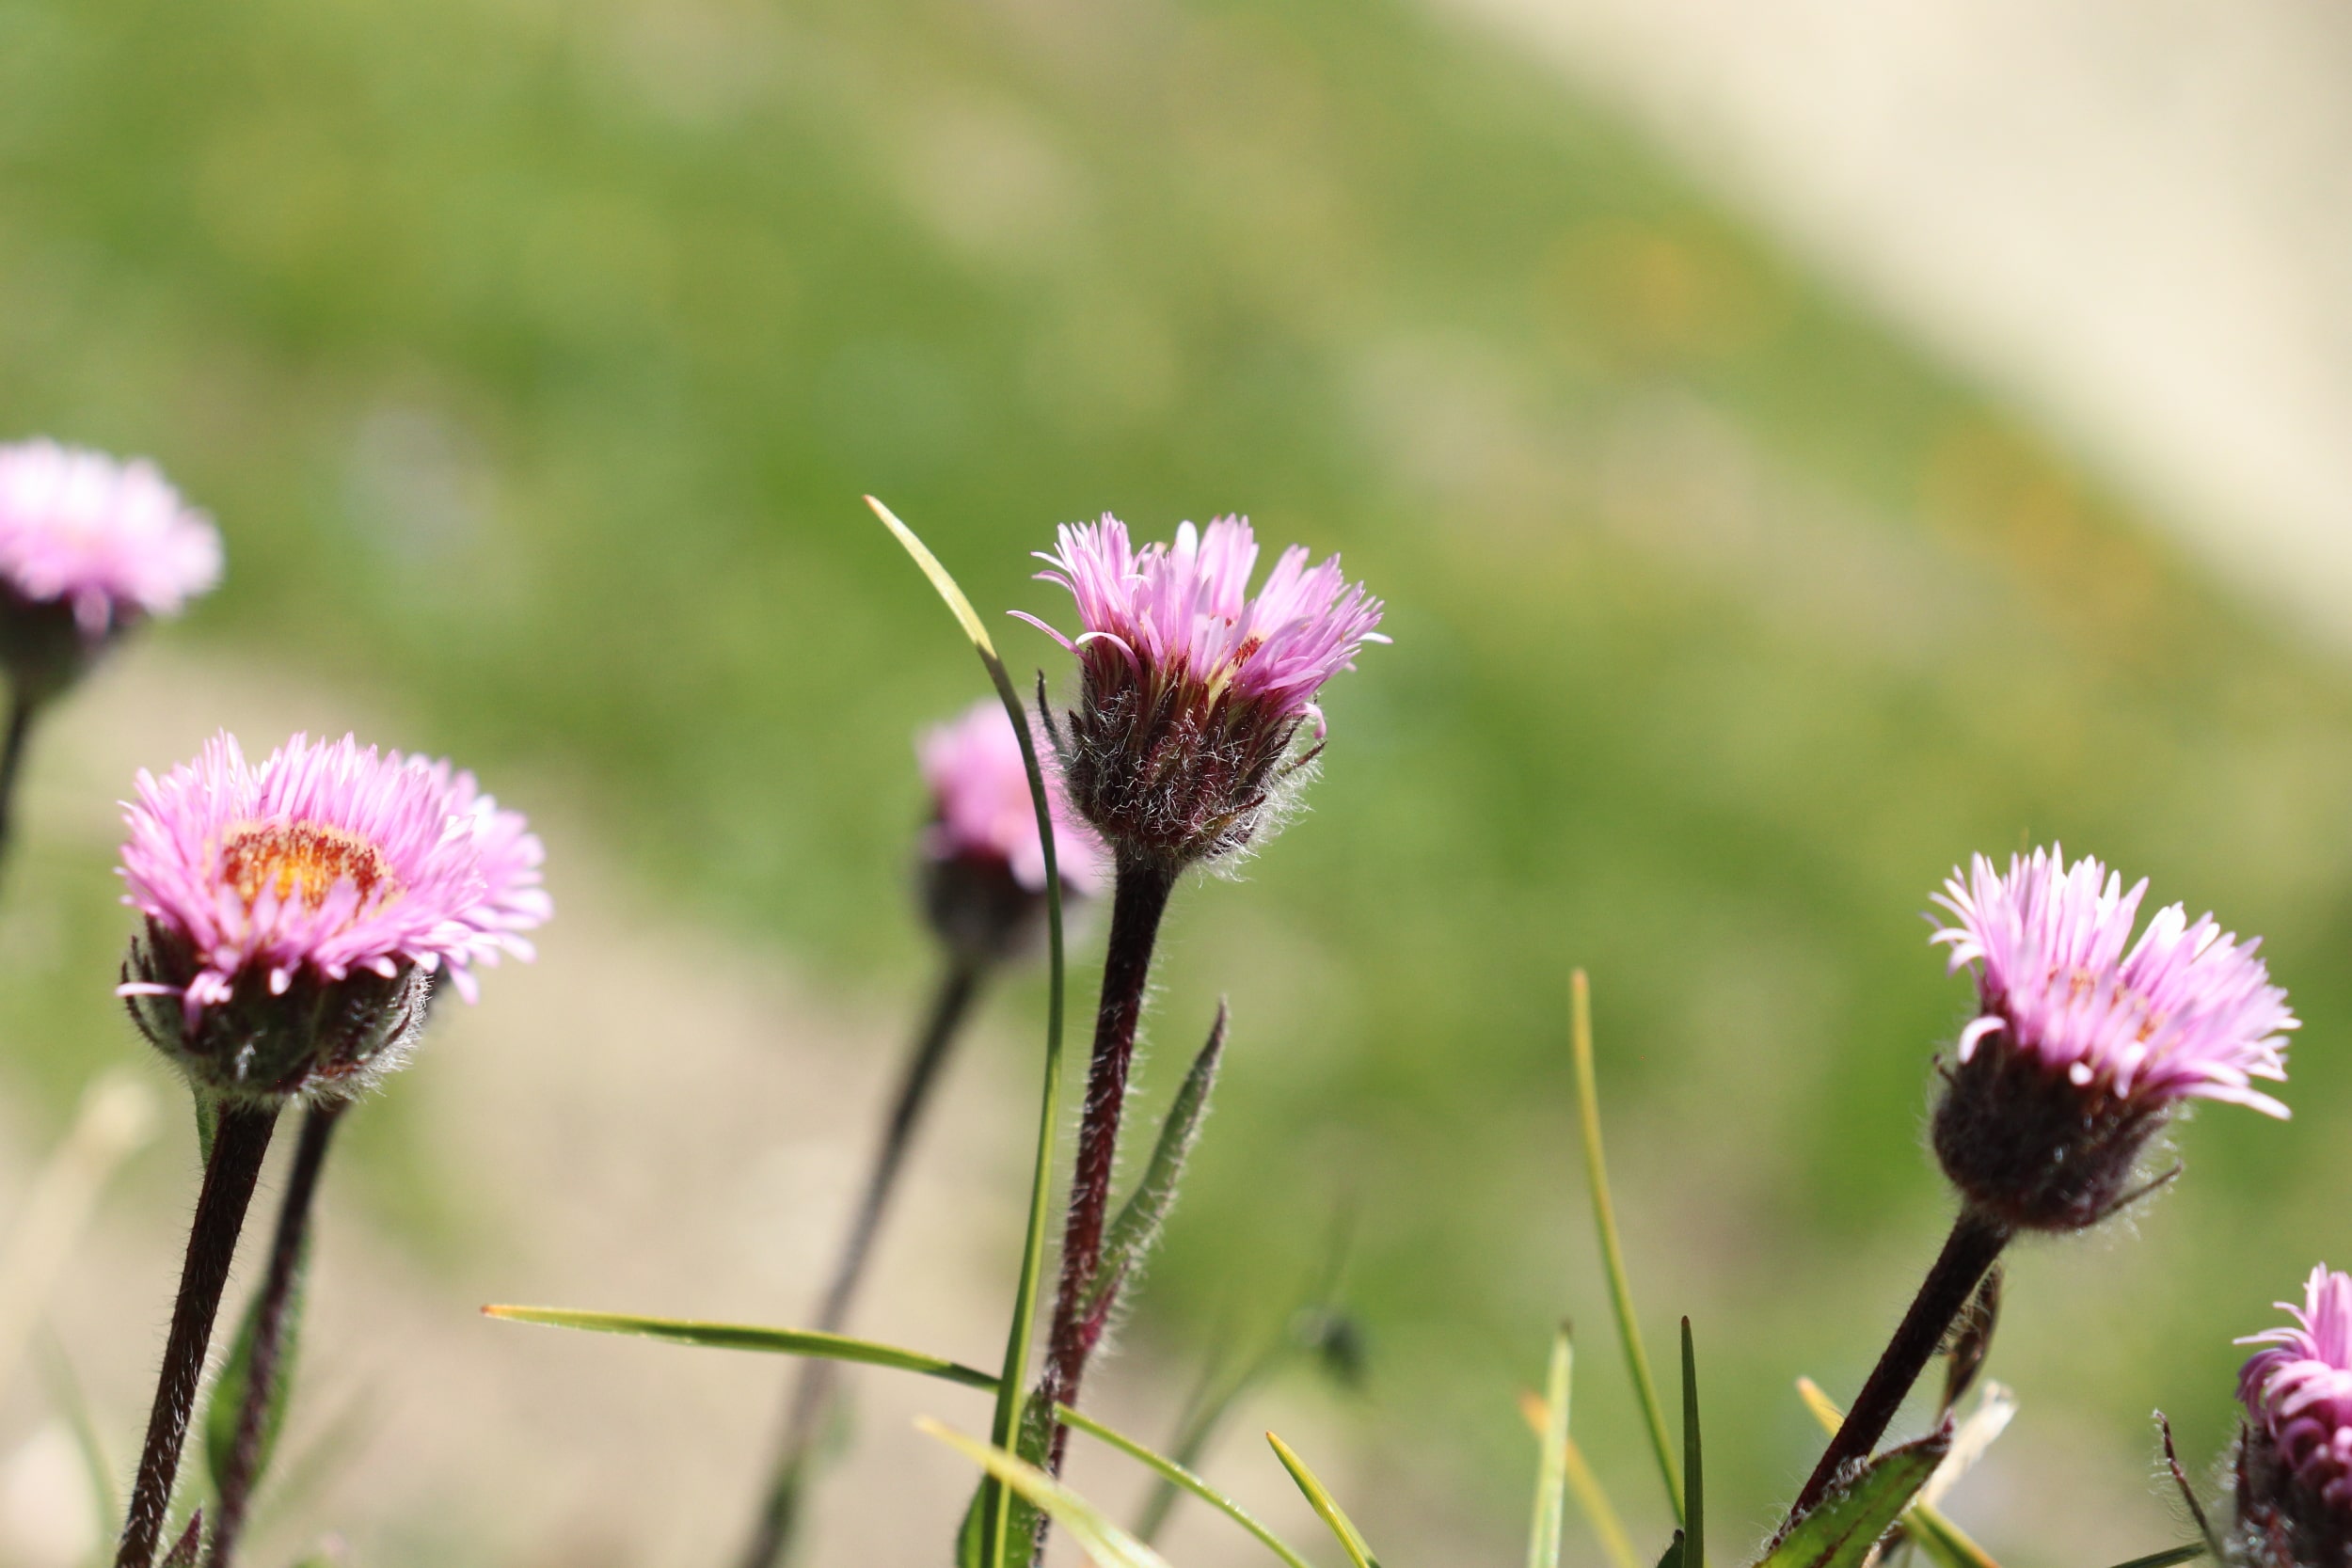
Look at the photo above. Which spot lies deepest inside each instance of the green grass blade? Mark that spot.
(2190, 1553)
(1103, 1542)
(1175, 1474)
(1016, 1365)
(1551, 1465)
(1350, 1540)
(1843, 1528)
(774, 1341)
(1137, 1225)
(1694, 1475)
(1611, 1250)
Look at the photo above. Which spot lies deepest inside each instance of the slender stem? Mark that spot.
(238, 1145)
(274, 1322)
(1137, 902)
(1973, 1247)
(1612, 1249)
(21, 707)
(818, 1381)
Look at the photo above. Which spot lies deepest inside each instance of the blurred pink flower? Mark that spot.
(2300, 1392)
(981, 807)
(326, 861)
(112, 540)
(2189, 1012)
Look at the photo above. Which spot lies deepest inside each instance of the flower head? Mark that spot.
(300, 913)
(984, 865)
(2084, 1038)
(90, 544)
(1193, 691)
(2294, 1477)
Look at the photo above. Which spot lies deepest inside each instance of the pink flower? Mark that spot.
(981, 807)
(2300, 1392)
(1193, 691)
(110, 540)
(298, 911)
(2189, 1012)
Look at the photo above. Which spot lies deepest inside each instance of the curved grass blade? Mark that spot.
(776, 1342)
(1350, 1540)
(1103, 1542)
(1138, 1225)
(2190, 1553)
(1175, 1474)
(1016, 1364)
(1941, 1539)
(1840, 1531)
(1694, 1477)
(1611, 1250)
(1551, 1463)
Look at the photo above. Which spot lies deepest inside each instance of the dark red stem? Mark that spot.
(264, 1370)
(1974, 1245)
(1137, 902)
(239, 1142)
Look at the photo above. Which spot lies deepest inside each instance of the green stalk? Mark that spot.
(1611, 1250)
(1004, 1429)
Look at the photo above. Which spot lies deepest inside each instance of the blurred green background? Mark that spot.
(534, 356)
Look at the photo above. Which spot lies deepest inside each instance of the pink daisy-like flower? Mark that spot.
(2085, 1039)
(298, 912)
(2294, 1477)
(2189, 1012)
(109, 540)
(1193, 691)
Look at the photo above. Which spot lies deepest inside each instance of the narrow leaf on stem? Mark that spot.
(1693, 1482)
(1132, 1234)
(779, 1341)
(1840, 1530)
(1937, 1535)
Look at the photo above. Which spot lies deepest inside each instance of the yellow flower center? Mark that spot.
(302, 861)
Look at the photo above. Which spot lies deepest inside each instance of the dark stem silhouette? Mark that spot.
(1973, 1247)
(817, 1383)
(239, 1142)
(273, 1322)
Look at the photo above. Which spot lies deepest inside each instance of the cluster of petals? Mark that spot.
(330, 857)
(111, 539)
(2300, 1388)
(1184, 612)
(983, 808)
(2186, 1011)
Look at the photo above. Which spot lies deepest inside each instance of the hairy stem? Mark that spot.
(1137, 902)
(1974, 1245)
(21, 708)
(271, 1329)
(239, 1142)
(817, 1382)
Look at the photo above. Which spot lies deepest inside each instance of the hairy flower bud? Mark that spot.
(1192, 693)
(88, 547)
(2081, 1050)
(2294, 1457)
(301, 915)
(983, 866)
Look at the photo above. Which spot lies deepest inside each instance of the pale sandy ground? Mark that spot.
(653, 1118)
(2134, 217)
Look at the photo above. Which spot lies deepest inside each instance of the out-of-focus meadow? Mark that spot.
(533, 357)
